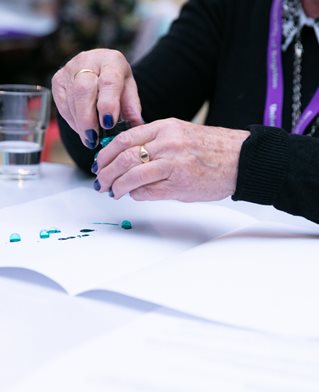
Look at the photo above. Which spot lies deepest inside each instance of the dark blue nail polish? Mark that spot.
(97, 185)
(108, 121)
(90, 144)
(91, 135)
(111, 194)
(94, 167)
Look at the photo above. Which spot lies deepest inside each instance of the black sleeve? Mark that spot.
(279, 169)
(178, 75)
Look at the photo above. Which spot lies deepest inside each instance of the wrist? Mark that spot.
(235, 141)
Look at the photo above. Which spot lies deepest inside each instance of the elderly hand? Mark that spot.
(187, 162)
(96, 87)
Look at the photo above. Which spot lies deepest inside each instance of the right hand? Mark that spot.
(88, 99)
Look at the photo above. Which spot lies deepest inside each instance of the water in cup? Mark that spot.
(19, 159)
(24, 116)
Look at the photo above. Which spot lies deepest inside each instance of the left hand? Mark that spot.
(188, 162)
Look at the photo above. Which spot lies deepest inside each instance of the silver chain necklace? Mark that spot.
(296, 82)
(297, 86)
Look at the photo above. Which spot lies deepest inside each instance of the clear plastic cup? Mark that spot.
(24, 118)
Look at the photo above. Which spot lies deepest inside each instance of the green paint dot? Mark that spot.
(126, 225)
(15, 237)
(44, 234)
(106, 140)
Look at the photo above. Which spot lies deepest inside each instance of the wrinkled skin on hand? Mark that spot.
(189, 162)
(83, 99)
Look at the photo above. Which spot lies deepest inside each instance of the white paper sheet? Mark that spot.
(160, 230)
(264, 277)
(171, 354)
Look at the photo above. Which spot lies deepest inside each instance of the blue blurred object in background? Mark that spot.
(38, 36)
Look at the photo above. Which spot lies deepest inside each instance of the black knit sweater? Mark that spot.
(216, 52)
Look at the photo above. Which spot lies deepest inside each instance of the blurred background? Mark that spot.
(38, 36)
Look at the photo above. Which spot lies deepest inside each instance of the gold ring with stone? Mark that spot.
(85, 70)
(144, 155)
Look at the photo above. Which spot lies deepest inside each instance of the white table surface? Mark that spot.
(38, 321)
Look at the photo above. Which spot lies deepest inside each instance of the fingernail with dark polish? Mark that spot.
(90, 144)
(111, 194)
(108, 121)
(91, 136)
(94, 167)
(97, 185)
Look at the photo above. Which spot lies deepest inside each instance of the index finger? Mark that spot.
(82, 101)
(132, 137)
(117, 92)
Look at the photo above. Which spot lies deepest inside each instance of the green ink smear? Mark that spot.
(86, 230)
(15, 237)
(66, 238)
(126, 224)
(105, 223)
(53, 230)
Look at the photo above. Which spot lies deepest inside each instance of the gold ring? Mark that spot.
(144, 155)
(85, 70)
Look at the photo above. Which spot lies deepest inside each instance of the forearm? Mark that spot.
(279, 169)
(179, 74)
(300, 189)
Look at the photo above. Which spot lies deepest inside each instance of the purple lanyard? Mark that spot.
(275, 90)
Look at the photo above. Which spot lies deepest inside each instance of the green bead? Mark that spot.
(15, 237)
(44, 234)
(106, 140)
(126, 225)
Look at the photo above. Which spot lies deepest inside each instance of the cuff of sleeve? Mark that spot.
(263, 164)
